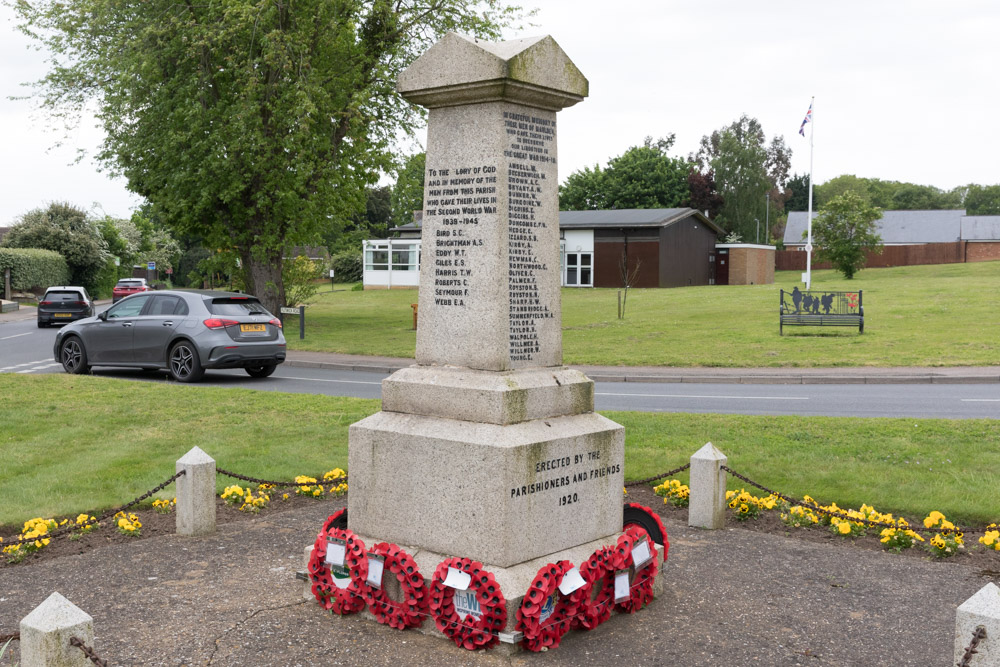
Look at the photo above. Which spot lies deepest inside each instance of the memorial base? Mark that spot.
(513, 581)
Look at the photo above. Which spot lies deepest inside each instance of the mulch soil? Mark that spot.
(155, 524)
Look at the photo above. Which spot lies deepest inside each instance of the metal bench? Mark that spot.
(821, 309)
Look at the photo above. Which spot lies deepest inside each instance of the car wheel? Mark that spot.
(73, 356)
(260, 371)
(41, 325)
(184, 363)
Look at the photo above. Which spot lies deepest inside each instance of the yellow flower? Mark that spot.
(844, 528)
(933, 518)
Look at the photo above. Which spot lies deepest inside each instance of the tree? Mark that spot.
(982, 200)
(893, 195)
(248, 123)
(644, 176)
(408, 191)
(702, 193)
(747, 168)
(67, 230)
(844, 229)
(798, 198)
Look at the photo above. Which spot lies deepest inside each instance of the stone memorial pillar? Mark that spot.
(489, 448)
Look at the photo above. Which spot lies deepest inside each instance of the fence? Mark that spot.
(892, 255)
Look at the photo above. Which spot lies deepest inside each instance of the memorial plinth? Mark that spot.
(489, 448)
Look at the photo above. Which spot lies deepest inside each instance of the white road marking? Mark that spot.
(16, 335)
(981, 400)
(290, 377)
(27, 363)
(762, 398)
(39, 368)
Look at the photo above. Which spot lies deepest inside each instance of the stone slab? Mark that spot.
(497, 494)
(8, 306)
(482, 396)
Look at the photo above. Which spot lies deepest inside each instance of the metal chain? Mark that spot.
(71, 527)
(839, 515)
(282, 484)
(655, 478)
(15, 636)
(978, 634)
(87, 651)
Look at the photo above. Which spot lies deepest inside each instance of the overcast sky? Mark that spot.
(905, 90)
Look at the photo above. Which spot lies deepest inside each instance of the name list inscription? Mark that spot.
(529, 141)
(459, 196)
(572, 469)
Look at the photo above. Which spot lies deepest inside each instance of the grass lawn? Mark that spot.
(941, 315)
(116, 439)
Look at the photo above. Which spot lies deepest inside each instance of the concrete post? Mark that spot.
(7, 292)
(46, 631)
(982, 609)
(196, 494)
(707, 504)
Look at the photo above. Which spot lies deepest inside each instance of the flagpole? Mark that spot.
(809, 215)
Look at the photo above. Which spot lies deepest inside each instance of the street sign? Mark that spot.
(170, 272)
(289, 311)
(151, 266)
(295, 310)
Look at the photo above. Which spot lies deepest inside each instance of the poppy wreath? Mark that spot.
(333, 520)
(482, 633)
(641, 591)
(539, 636)
(596, 597)
(340, 601)
(410, 612)
(655, 517)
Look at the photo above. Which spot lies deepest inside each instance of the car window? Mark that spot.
(129, 283)
(239, 305)
(63, 295)
(164, 304)
(129, 307)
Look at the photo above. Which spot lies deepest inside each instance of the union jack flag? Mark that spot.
(807, 119)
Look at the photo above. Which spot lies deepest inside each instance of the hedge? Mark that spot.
(31, 267)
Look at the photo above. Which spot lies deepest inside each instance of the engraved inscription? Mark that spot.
(568, 471)
(529, 142)
(459, 196)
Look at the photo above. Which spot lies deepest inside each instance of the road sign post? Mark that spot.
(295, 310)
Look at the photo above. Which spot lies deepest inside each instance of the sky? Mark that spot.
(905, 90)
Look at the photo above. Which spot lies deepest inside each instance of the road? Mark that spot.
(27, 349)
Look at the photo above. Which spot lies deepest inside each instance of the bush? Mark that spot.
(31, 268)
(298, 275)
(347, 266)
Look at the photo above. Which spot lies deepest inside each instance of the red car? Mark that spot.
(128, 286)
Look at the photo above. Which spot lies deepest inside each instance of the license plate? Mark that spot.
(62, 315)
(253, 328)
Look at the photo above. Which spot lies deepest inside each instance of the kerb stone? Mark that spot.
(196, 493)
(707, 502)
(46, 631)
(982, 609)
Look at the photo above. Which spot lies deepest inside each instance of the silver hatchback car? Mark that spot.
(183, 332)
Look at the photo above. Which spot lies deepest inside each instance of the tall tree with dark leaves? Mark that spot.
(703, 193)
(247, 123)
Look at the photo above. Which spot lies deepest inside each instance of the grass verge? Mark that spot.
(941, 315)
(73, 444)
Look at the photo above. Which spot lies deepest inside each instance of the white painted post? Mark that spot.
(982, 609)
(707, 503)
(46, 631)
(196, 493)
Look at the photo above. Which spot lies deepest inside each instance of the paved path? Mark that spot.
(733, 597)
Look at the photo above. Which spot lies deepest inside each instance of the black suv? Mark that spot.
(64, 304)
